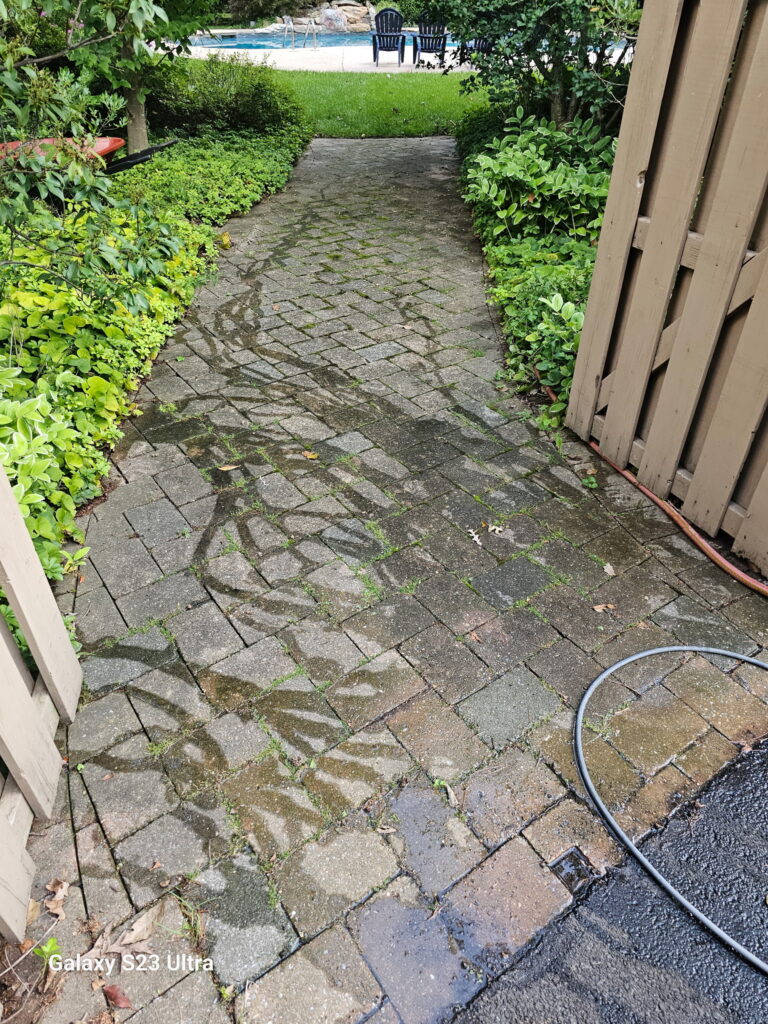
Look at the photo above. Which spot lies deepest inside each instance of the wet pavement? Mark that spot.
(628, 955)
(341, 602)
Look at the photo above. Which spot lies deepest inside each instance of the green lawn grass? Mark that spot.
(351, 104)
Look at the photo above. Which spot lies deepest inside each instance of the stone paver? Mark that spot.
(276, 811)
(437, 738)
(357, 769)
(245, 933)
(507, 708)
(374, 689)
(128, 787)
(504, 902)
(499, 799)
(102, 724)
(654, 728)
(321, 880)
(569, 824)
(326, 982)
(177, 844)
(414, 955)
(432, 841)
(339, 691)
(222, 745)
(300, 718)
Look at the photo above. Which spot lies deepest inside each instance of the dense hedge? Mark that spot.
(538, 194)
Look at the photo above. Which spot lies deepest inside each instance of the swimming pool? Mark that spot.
(274, 40)
(243, 40)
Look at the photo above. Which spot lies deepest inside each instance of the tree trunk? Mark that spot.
(137, 117)
(557, 92)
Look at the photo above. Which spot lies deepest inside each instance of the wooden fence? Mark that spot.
(672, 372)
(30, 709)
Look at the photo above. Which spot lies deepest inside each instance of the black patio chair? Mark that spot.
(431, 38)
(474, 46)
(389, 35)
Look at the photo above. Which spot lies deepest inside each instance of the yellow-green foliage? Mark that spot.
(67, 370)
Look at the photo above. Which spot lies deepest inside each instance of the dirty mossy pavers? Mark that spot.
(340, 607)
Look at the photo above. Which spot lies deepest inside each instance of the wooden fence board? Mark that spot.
(29, 594)
(750, 541)
(747, 282)
(737, 86)
(16, 874)
(695, 110)
(26, 748)
(653, 55)
(740, 409)
(742, 185)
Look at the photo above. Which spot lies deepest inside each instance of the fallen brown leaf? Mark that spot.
(55, 904)
(142, 927)
(101, 946)
(97, 983)
(33, 911)
(474, 637)
(107, 777)
(309, 455)
(156, 865)
(26, 944)
(225, 469)
(452, 801)
(602, 607)
(116, 997)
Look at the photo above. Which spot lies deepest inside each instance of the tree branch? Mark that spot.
(63, 53)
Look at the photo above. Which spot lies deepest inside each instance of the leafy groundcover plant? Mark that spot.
(68, 365)
(538, 193)
(211, 177)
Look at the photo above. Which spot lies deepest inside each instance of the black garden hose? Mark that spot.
(613, 825)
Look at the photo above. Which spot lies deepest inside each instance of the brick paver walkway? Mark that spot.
(341, 604)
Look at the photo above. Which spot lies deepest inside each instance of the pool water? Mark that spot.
(274, 40)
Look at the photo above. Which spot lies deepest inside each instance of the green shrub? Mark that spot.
(538, 180)
(411, 10)
(67, 368)
(538, 194)
(221, 94)
(480, 127)
(210, 178)
(528, 277)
